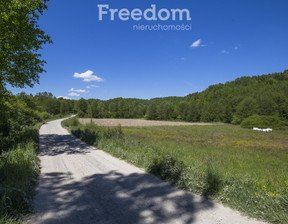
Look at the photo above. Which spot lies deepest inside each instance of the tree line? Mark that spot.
(231, 102)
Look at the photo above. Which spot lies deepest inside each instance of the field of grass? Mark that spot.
(244, 169)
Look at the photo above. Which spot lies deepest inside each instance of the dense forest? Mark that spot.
(231, 102)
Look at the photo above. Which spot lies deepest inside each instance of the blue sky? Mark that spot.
(230, 39)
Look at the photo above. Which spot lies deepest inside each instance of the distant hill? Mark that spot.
(233, 101)
(230, 102)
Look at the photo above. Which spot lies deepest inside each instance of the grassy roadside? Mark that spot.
(244, 169)
(19, 168)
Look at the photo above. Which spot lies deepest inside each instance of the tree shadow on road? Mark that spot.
(53, 144)
(113, 198)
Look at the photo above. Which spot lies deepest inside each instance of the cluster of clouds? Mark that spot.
(87, 77)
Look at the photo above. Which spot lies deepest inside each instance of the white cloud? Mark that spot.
(73, 94)
(64, 97)
(92, 86)
(224, 52)
(197, 43)
(88, 76)
(236, 48)
(78, 90)
(182, 59)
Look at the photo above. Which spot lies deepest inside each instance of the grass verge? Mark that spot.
(19, 168)
(244, 169)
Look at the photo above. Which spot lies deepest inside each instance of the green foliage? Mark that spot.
(81, 107)
(245, 108)
(262, 122)
(192, 113)
(151, 112)
(167, 168)
(213, 181)
(20, 112)
(45, 115)
(16, 117)
(19, 168)
(20, 40)
(91, 133)
(71, 122)
(267, 105)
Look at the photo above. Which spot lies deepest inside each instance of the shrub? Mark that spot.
(25, 135)
(262, 122)
(167, 168)
(44, 116)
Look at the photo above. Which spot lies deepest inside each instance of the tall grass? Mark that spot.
(19, 168)
(244, 169)
(91, 133)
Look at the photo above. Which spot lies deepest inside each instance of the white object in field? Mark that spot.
(265, 130)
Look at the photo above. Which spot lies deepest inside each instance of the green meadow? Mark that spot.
(244, 169)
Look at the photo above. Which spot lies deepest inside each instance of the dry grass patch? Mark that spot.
(136, 122)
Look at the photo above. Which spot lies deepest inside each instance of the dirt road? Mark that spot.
(81, 185)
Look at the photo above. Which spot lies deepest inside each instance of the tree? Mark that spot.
(168, 111)
(182, 110)
(267, 105)
(192, 112)
(151, 113)
(81, 107)
(245, 108)
(20, 40)
(28, 99)
(210, 112)
(101, 109)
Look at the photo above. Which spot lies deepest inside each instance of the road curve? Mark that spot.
(80, 184)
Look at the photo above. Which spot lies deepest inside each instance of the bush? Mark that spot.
(167, 168)
(26, 135)
(45, 116)
(262, 122)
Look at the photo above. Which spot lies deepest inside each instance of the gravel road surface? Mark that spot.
(80, 184)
